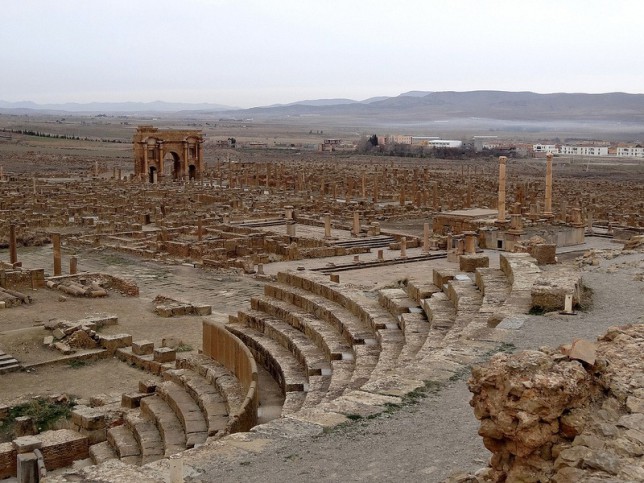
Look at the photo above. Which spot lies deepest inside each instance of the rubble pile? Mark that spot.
(568, 415)
(69, 336)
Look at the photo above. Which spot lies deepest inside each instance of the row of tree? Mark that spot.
(29, 132)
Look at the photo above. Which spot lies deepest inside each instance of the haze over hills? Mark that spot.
(407, 108)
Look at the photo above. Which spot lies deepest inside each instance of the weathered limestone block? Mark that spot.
(544, 253)
(549, 293)
(469, 263)
(164, 354)
(142, 347)
(441, 277)
(116, 341)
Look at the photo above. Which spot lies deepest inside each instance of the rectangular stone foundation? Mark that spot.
(469, 263)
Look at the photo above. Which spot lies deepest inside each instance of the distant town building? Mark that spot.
(630, 151)
(583, 150)
(545, 148)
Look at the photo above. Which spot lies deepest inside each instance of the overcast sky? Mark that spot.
(258, 52)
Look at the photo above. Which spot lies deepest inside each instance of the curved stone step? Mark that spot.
(147, 437)
(124, 444)
(211, 402)
(495, 287)
(323, 334)
(342, 320)
(440, 311)
(221, 379)
(101, 452)
(417, 290)
(165, 419)
(318, 387)
(187, 410)
(415, 327)
(304, 350)
(277, 360)
(395, 301)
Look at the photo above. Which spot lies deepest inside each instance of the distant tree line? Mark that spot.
(30, 132)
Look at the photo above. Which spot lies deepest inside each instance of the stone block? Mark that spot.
(163, 311)
(179, 310)
(545, 254)
(203, 309)
(142, 347)
(133, 400)
(64, 348)
(441, 277)
(58, 333)
(48, 340)
(164, 354)
(26, 444)
(113, 342)
(469, 263)
(147, 386)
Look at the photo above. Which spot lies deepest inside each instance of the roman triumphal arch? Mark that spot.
(169, 154)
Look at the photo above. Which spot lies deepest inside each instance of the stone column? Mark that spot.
(426, 238)
(589, 221)
(501, 202)
(403, 247)
(200, 228)
(327, 225)
(470, 242)
(73, 265)
(547, 213)
(55, 239)
(356, 223)
(35, 187)
(13, 251)
(290, 228)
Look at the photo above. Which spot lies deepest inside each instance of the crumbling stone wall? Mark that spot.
(566, 415)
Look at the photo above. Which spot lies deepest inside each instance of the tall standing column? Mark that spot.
(501, 203)
(426, 238)
(327, 225)
(55, 239)
(13, 252)
(356, 223)
(548, 208)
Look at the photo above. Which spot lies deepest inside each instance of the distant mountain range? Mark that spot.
(114, 107)
(407, 108)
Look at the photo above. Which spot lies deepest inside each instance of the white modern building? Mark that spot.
(584, 150)
(630, 151)
(545, 148)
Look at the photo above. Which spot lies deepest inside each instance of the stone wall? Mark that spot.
(17, 279)
(227, 349)
(565, 415)
(7, 460)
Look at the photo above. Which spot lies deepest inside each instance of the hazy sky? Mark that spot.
(250, 52)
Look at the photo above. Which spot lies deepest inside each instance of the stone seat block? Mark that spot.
(133, 400)
(101, 452)
(469, 263)
(113, 342)
(142, 347)
(164, 354)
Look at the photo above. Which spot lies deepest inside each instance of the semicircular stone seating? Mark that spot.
(333, 351)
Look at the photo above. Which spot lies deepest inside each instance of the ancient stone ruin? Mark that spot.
(308, 350)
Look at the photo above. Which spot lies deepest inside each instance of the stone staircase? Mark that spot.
(196, 400)
(8, 363)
